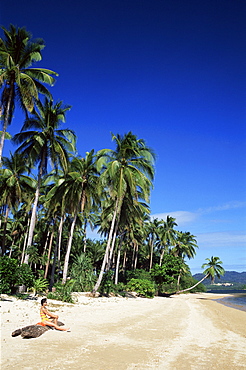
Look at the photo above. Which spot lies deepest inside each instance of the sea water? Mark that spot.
(236, 299)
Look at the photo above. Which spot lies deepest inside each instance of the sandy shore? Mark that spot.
(189, 331)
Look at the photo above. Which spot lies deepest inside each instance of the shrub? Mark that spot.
(12, 275)
(40, 285)
(138, 274)
(82, 273)
(144, 287)
(63, 292)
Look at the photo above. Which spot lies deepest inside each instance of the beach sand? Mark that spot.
(190, 331)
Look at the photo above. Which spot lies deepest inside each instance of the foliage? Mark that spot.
(40, 285)
(107, 285)
(26, 276)
(12, 275)
(144, 287)
(138, 274)
(63, 292)
(188, 280)
(82, 273)
(168, 273)
(8, 274)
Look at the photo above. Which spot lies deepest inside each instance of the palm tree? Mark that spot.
(47, 141)
(13, 184)
(78, 192)
(167, 236)
(212, 268)
(19, 81)
(127, 170)
(185, 245)
(152, 232)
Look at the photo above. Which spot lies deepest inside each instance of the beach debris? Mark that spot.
(33, 331)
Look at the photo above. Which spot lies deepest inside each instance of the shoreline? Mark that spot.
(228, 301)
(190, 331)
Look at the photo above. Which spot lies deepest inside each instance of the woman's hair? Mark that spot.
(43, 301)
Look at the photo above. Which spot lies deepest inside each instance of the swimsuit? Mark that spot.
(43, 316)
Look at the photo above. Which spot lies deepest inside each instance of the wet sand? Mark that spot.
(191, 331)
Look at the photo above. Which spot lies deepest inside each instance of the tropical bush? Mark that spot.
(82, 273)
(12, 275)
(63, 292)
(144, 287)
(40, 285)
(138, 274)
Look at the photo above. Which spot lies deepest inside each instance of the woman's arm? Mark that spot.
(50, 314)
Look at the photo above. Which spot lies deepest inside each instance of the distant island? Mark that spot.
(230, 280)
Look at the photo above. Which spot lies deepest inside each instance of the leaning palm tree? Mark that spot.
(127, 170)
(46, 141)
(213, 269)
(19, 81)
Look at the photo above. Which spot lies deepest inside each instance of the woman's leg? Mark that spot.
(49, 323)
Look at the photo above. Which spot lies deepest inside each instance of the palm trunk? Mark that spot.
(109, 263)
(6, 119)
(25, 242)
(124, 263)
(69, 245)
(151, 255)
(161, 256)
(34, 211)
(99, 280)
(5, 229)
(85, 242)
(52, 278)
(59, 241)
(116, 278)
(186, 290)
(136, 256)
(49, 253)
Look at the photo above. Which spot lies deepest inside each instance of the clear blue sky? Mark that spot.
(173, 73)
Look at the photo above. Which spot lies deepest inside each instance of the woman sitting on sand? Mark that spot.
(52, 319)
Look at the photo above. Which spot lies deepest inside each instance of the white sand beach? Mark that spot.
(189, 331)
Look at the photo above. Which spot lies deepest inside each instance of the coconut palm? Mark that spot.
(13, 183)
(19, 81)
(213, 269)
(152, 232)
(167, 236)
(128, 169)
(46, 141)
(78, 193)
(185, 245)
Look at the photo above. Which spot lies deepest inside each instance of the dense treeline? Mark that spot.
(50, 196)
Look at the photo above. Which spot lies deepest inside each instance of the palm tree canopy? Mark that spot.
(47, 141)
(213, 268)
(17, 54)
(13, 182)
(78, 187)
(127, 168)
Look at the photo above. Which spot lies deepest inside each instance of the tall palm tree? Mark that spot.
(19, 81)
(46, 141)
(167, 236)
(13, 183)
(128, 169)
(152, 231)
(78, 192)
(185, 245)
(212, 268)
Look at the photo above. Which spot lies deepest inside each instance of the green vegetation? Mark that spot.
(50, 195)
